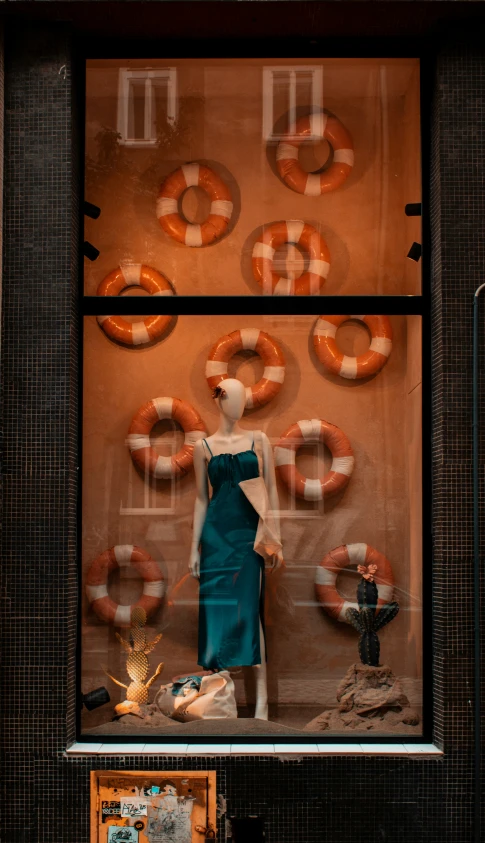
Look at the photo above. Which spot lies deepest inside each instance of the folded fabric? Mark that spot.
(198, 698)
(185, 684)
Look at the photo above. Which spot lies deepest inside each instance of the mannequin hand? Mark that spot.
(276, 561)
(194, 564)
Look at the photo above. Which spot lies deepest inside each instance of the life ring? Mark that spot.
(269, 351)
(299, 233)
(318, 125)
(314, 430)
(363, 365)
(348, 554)
(193, 175)
(121, 556)
(138, 439)
(146, 330)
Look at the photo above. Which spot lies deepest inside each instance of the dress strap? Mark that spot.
(252, 447)
(208, 447)
(258, 450)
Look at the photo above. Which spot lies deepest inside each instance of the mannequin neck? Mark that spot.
(228, 427)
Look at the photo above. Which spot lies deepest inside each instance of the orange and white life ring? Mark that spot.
(363, 365)
(313, 126)
(299, 233)
(194, 175)
(121, 556)
(130, 275)
(339, 558)
(138, 439)
(269, 351)
(314, 430)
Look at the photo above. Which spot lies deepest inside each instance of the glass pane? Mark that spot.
(254, 176)
(339, 400)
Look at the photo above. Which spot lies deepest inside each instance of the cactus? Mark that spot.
(137, 663)
(365, 620)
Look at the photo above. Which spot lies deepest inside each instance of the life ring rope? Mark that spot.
(138, 439)
(252, 339)
(314, 430)
(335, 561)
(363, 365)
(96, 583)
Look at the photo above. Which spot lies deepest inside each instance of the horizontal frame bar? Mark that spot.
(249, 305)
(258, 47)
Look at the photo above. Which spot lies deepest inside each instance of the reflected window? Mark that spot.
(285, 90)
(145, 98)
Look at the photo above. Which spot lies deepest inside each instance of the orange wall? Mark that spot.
(363, 222)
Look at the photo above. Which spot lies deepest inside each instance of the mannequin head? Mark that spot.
(232, 400)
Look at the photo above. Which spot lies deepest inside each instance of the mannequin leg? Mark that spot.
(261, 711)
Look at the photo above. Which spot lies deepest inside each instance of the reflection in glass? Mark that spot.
(341, 409)
(195, 162)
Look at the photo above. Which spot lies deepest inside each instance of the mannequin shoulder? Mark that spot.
(199, 450)
(265, 443)
(264, 438)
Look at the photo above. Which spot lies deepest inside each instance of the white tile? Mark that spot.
(81, 748)
(209, 749)
(423, 749)
(340, 748)
(122, 749)
(84, 748)
(383, 749)
(296, 748)
(165, 749)
(252, 749)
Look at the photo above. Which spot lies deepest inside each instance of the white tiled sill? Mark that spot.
(241, 749)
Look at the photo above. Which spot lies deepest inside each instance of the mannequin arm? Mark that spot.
(200, 508)
(270, 481)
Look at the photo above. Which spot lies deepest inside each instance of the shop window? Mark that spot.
(327, 455)
(307, 166)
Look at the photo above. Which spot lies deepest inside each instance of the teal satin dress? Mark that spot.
(231, 572)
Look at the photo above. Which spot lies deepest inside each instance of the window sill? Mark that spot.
(287, 750)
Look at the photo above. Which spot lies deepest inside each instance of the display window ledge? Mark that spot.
(278, 749)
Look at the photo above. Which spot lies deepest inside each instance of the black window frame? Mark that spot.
(399, 305)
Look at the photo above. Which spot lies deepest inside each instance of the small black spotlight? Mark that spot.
(95, 698)
(415, 252)
(413, 209)
(90, 251)
(91, 210)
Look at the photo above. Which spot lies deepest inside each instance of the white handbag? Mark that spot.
(198, 698)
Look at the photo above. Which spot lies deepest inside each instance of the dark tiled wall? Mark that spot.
(363, 799)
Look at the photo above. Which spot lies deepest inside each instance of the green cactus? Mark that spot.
(366, 621)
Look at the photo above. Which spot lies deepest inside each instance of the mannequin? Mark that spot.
(223, 558)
